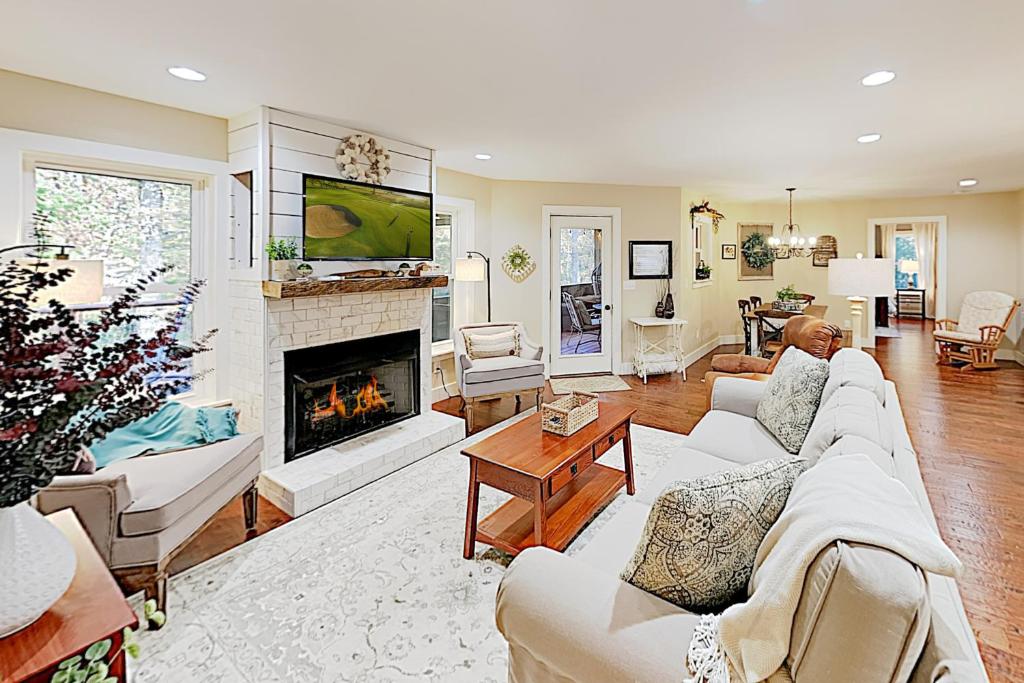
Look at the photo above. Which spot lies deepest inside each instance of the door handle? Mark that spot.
(607, 307)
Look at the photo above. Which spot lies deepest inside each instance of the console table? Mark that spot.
(91, 610)
(652, 357)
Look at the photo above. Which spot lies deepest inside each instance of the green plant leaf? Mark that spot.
(128, 634)
(62, 676)
(98, 668)
(158, 618)
(69, 663)
(132, 649)
(148, 608)
(98, 650)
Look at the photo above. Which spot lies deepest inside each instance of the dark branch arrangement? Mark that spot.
(65, 383)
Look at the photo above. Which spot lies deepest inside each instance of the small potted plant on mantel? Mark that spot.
(68, 382)
(284, 256)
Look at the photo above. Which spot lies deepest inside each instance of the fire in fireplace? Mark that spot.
(340, 391)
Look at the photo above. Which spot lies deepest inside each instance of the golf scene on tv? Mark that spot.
(348, 220)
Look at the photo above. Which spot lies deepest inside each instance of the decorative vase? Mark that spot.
(670, 307)
(282, 271)
(36, 566)
(659, 310)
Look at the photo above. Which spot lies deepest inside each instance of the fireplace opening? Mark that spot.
(339, 391)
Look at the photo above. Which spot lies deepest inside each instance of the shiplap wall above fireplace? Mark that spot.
(278, 147)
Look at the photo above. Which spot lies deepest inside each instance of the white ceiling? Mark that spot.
(732, 97)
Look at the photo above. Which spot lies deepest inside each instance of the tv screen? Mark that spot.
(348, 220)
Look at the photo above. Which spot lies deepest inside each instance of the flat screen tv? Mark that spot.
(344, 220)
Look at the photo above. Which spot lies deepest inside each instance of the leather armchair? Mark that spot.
(817, 337)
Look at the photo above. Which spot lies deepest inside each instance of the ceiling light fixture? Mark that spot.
(186, 74)
(869, 138)
(968, 182)
(878, 78)
(792, 240)
(482, 157)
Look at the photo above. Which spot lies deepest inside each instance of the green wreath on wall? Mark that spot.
(756, 251)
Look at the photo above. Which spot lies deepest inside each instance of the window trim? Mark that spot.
(463, 299)
(200, 245)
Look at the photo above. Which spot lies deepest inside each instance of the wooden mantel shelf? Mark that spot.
(301, 288)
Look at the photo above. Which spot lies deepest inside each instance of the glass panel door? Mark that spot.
(580, 313)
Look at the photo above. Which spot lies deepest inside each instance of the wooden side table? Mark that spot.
(92, 609)
(558, 485)
(910, 302)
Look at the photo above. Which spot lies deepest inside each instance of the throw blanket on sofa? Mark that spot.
(840, 499)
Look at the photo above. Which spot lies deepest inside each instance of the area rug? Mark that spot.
(369, 588)
(594, 385)
(891, 332)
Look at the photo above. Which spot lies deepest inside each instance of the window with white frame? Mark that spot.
(444, 232)
(133, 223)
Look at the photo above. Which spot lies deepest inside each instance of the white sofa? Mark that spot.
(865, 614)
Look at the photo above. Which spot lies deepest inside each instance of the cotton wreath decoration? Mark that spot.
(756, 251)
(354, 148)
(517, 263)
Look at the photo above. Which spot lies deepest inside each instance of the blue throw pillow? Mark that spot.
(173, 427)
(217, 424)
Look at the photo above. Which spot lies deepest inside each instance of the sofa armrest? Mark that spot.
(565, 620)
(736, 394)
(97, 499)
(945, 324)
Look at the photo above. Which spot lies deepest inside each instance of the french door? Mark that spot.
(581, 306)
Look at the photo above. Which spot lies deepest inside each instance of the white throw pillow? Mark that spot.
(492, 345)
(701, 538)
(851, 411)
(790, 399)
(854, 368)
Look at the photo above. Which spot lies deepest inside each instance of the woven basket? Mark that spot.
(568, 415)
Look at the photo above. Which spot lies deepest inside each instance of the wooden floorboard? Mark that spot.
(967, 428)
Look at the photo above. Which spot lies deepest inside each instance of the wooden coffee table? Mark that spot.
(558, 485)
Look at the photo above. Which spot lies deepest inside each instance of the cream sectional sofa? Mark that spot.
(865, 614)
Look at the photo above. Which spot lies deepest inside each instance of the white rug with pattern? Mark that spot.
(371, 587)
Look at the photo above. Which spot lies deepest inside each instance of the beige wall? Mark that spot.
(466, 186)
(983, 231)
(42, 106)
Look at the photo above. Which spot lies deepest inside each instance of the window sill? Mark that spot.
(442, 349)
(697, 284)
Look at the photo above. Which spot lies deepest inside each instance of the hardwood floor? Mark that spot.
(966, 427)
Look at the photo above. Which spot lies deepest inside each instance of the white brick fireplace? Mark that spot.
(265, 328)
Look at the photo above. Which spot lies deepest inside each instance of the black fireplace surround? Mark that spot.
(336, 392)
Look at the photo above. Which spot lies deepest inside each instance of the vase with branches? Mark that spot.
(66, 382)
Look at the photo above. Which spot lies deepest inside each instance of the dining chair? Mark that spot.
(769, 334)
(809, 298)
(747, 325)
(583, 321)
(755, 301)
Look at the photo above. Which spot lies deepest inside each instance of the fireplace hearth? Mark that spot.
(340, 391)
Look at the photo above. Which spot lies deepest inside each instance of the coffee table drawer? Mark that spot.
(607, 442)
(570, 471)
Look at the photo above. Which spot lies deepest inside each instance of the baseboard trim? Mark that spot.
(438, 394)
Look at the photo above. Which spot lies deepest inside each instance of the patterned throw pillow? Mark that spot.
(492, 345)
(701, 537)
(791, 399)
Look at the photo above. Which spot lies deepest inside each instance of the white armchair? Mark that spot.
(488, 378)
(975, 336)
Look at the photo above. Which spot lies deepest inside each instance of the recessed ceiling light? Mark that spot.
(482, 157)
(869, 137)
(968, 182)
(186, 74)
(878, 78)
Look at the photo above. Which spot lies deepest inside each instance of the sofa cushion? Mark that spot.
(736, 438)
(854, 368)
(686, 463)
(850, 411)
(610, 546)
(957, 336)
(791, 398)
(851, 444)
(501, 368)
(480, 345)
(863, 615)
(167, 486)
(701, 538)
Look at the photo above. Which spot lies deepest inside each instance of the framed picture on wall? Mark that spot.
(728, 252)
(650, 260)
(755, 237)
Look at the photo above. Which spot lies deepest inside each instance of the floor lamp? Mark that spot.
(857, 279)
(471, 269)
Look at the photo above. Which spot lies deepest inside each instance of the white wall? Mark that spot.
(16, 211)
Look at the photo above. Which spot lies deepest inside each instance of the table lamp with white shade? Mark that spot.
(857, 279)
(471, 269)
(911, 268)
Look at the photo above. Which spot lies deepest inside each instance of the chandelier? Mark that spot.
(792, 241)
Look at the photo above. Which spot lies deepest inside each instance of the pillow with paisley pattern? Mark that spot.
(701, 538)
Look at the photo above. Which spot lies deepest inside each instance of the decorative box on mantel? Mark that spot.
(271, 319)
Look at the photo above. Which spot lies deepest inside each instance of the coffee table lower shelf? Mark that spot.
(510, 527)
